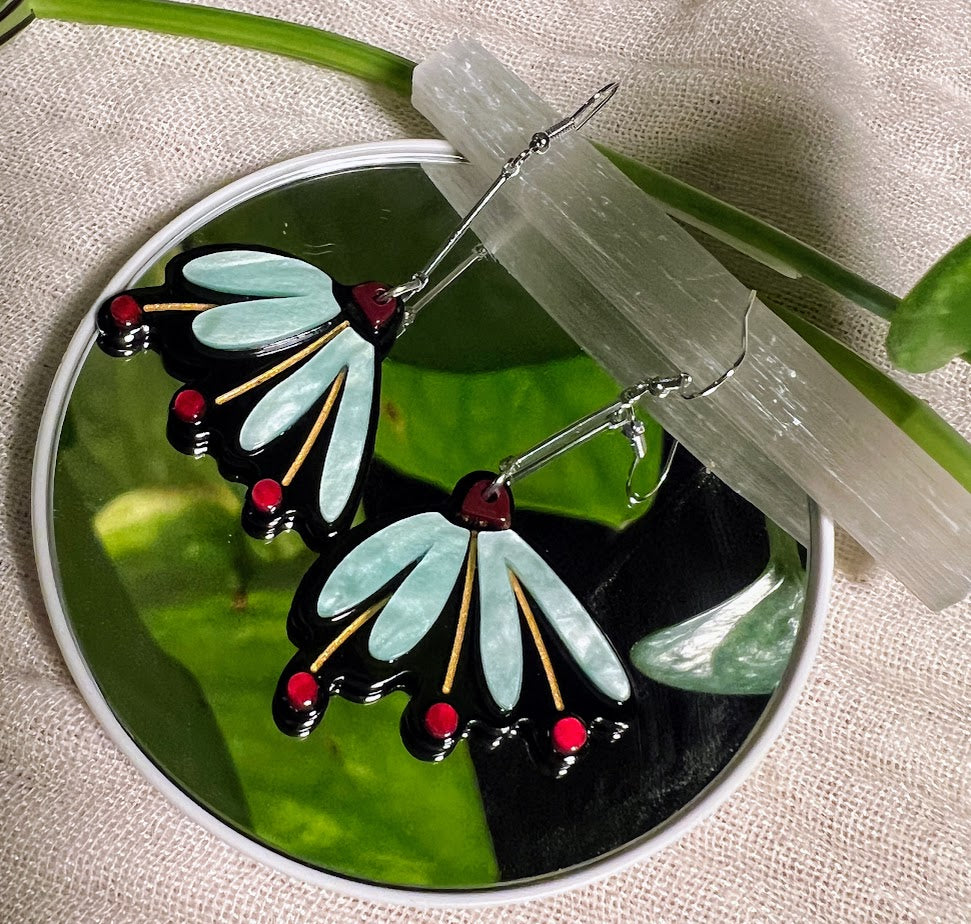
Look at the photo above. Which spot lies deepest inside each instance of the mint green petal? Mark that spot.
(382, 557)
(301, 297)
(419, 601)
(255, 324)
(285, 403)
(345, 453)
(571, 622)
(251, 272)
(500, 635)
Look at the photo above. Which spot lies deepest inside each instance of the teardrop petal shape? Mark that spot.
(260, 323)
(587, 645)
(420, 599)
(284, 404)
(255, 272)
(301, 298)
(345, 453)
(500, 634)
(382, 557)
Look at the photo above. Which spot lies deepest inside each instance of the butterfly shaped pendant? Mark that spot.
(281, 366)
(457, 610)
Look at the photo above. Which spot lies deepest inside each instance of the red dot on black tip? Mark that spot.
(441, 721)
(302, 691)
(125, 311)
(189, 405)
(569, 734)
(266, 495)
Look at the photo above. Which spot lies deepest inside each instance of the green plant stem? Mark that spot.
(751, 235)
(760, 240)
(242, 29)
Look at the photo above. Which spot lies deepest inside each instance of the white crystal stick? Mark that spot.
(643, 297)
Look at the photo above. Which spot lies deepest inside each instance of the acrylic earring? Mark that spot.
(461, 613)
(281, 364)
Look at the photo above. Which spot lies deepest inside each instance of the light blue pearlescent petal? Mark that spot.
(251, 272)
(302, 298)
(284, 404)
(346, 450)
(419, 601)
(571, 622)
(371, 565)
(500, 636)
(437, 546)
(251, 325)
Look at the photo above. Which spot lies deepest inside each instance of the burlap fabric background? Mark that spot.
(846, 123)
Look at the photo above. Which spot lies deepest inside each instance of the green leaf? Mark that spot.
(439, 426)
(932, 325)
(740, 646)
(159, 702)
(191, 525)
(112, 448)
(751, 236)
(241, 29)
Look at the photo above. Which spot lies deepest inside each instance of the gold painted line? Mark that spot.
(544, 655)
(281, 367)
(178, 306)
(315, 430)
(453, 661)
(346, 634)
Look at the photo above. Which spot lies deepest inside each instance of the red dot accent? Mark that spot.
(487, 506)
(441, 721)
(366, 296)
(302, 690)
(266, 495)
(189, 405)
(125, 311)
(569, 735)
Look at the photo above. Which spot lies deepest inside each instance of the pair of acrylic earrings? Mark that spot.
(282, 371)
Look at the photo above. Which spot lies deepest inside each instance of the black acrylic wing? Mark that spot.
(463, 615)
(281, 367)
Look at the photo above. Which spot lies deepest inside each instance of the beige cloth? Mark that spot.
(846, 123)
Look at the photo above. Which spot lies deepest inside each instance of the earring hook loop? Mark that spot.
(622, 415)
(538, 144)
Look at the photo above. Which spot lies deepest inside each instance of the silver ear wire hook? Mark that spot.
(538, 144)
(728, 373)
(622, 415)
(661, 387)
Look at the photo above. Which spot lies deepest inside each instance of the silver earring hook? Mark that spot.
(622, 415)
(539, 144)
